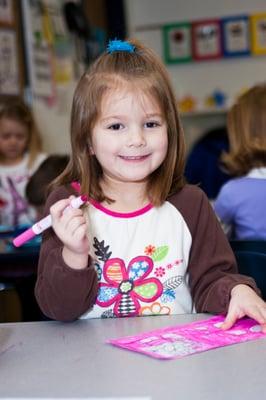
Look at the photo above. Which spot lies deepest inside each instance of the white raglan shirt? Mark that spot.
(145, 273)
(13, 181)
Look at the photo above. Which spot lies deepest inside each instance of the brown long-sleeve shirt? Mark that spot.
(64, 293)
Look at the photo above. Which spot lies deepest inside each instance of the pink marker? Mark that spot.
(45, 223)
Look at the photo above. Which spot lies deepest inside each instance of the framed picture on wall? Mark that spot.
(206, 40)
(235, 36)
(258, 33)
(9, 69)
(177, 42)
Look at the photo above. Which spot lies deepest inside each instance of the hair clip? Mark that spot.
(119, 45)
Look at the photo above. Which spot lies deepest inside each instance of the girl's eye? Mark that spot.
(152, 124)
(115, 127)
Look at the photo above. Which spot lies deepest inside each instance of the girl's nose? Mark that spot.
(136, 138)
(13, 140)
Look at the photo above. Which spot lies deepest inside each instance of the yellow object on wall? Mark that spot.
(187, 104)
(258, 33)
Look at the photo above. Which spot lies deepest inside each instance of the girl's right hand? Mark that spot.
(71, 228)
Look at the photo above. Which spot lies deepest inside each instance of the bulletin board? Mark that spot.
(47, 47)
(11, 66)
(212, 50)
(38, 51)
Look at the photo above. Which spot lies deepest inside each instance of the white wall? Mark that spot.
(198, 78)
(54, 121)
(145, 19)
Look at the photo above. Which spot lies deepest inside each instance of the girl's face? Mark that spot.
(129, 139)
(13, 139)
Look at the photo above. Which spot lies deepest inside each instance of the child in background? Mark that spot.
(20, 155)
(36, 194)
(203, 162)
(38, 185)
(145, 243)
(240, 204)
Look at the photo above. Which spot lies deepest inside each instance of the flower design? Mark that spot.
(98, 270)
(160, 271)
(125, 287)
(149, 250)
(155, 309)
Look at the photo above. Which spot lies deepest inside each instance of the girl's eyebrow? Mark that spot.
(153, 115)
(112, 117)
(147, 115)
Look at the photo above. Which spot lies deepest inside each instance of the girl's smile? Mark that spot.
(129, 139)
(135, 158)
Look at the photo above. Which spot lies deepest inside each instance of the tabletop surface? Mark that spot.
(71, 360)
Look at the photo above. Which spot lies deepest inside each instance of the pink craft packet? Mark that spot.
(195, 337)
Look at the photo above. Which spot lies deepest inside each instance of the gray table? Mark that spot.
(52, 359)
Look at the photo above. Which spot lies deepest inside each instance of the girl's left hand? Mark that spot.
(245, 302)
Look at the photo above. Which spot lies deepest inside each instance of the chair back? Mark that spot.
(251, 260)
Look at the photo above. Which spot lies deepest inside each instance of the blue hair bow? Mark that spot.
(119, 45)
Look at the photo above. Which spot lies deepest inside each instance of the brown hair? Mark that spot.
(37, 187)
(246, 123)
(16, 109)
(141, 69)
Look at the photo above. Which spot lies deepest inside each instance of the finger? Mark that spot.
(57, 209)
(259, 314)
(230, 320)
(71, 213)
(81, 232)
(68, 219)
(74, 223)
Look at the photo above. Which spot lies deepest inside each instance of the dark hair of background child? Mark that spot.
(37, 188)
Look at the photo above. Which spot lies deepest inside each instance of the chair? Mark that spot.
(251, 260)
(18, 269)
(10, 306)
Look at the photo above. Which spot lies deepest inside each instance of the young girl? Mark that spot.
(20, 155)
(241, 202)
(146, 243)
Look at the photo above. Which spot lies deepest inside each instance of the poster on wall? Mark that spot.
(258, 33)
(49, 52)
(235, 36)
(6, 12)
(38, 51)
(206, 40)
(177, 42)
(9, 73)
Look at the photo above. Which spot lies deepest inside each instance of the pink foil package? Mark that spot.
(183, 340)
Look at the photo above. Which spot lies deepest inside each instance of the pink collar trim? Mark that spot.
(118, 214)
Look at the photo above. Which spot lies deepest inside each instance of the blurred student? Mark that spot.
(240, 204)
(36, 192)
(20, 155)
(38, 185)
(203, 166)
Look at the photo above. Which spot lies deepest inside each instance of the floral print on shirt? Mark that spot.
(126, 287)
(123, 289)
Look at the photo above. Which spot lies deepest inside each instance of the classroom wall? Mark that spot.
(145, 19)
(54, 121)
(53, 116)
